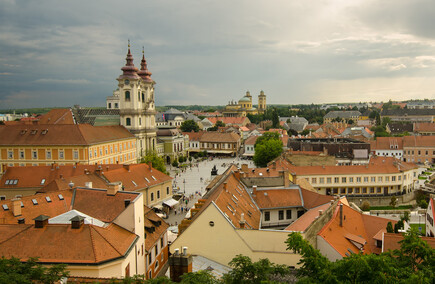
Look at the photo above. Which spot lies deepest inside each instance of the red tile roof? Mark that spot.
(387, 143)
(67, 134)
(303, 222)
(153, 221)
(419, 141)
(136, 176)
(220, 137)
(193, 136)
(229, 120)
(357, 230)
(61, 244)
(251, 140)
(57, 116)
(278, 198)
(391, 241)
(424, 127)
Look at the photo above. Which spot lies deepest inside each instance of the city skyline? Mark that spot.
(206, 52)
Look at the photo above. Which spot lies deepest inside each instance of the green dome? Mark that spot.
(245, 99)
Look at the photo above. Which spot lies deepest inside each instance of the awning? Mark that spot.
(158, 206)
(170, 202)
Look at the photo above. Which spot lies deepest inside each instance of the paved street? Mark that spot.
(193, 181)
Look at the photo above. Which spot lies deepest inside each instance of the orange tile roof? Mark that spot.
(78, 181)
(358, 230)
(61, 244)
(302, 223)
(67, 134)
(193, 136)
(244, 128)
(424, 127)
(137, 176)
(384, 165)
(220, 137)
(419, 141)
(32, 176)
(251, 140)
(152, 221)
(233, 201)
(93, 202)
(391, 241)
(314, 199)
(57, 116)
(278, 198)
(387, 143)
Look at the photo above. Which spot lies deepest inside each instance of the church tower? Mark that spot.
(261, 102)
(136, 103)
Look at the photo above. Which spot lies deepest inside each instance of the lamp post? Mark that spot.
(184, 185)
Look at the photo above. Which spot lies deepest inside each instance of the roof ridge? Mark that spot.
(93, 243)
(14, 235)
(108, 241)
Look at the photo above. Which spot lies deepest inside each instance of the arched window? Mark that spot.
(128, 121)
(127, 95)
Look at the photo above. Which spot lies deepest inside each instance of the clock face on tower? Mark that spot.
(127, 81)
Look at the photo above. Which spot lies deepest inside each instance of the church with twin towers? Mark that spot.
(135, 100)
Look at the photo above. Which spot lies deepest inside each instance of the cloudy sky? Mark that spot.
(61, 53)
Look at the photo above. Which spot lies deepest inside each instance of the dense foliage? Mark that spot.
(414, 262)
(267, 147)
(189, 126)
(215, 127)
(12, 270)
(157, 162)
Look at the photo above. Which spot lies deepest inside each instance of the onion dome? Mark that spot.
(262, 94)
(129, 71)
(144, 73)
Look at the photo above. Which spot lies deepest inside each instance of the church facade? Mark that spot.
(244, 106)
(135, 100)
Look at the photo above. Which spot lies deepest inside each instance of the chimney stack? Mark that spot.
(77, 222)
(151, 166)
(126, 166)
(225, 186)
(320, 212)
(180, 264)
(99, 171)
(254, 190)
(16, 207)
(41, 221)
(341, 215)
(242, 221)
(113, 188)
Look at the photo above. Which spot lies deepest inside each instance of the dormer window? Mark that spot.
(42, 181)
(35, 202)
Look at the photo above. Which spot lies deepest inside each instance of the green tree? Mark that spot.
(393, 201)
(12, 270)
(202, 276)
(305, 132)
(246, 271)
(218, 124)
(189, 126)
(390, 227)
(275, 118)
(157, 162)
(267, 147)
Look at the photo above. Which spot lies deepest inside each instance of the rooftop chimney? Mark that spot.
(242, 221)
(77, 221)
(320, 212)
(41, 221)
(126, 166)
(99, 170)
(225, 186)
(151, 166)
(16, 207)
(113, 188)
(341, 215)
(180, 264)
(254, 190)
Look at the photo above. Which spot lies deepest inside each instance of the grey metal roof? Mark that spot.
(342, 114)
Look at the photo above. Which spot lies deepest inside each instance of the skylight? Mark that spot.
(147, 180)
(22, 204)
(35, 202)
(15, 181)
(134, 183)
(5, 207)
(60, 196)
(48, 198)
(42, 181)
(153, 177)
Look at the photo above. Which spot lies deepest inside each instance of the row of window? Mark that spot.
(158, 194)
(48, 154)
(288, 215)
(140, 96)
(218, 145)
(105, 149)
(330, 180)
(411, 152)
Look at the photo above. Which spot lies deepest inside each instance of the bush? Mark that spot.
(365, 206)
(175, 163)
(423, 204)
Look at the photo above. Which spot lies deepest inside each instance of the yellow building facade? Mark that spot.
(244, 106)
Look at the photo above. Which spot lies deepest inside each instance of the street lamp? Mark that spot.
(184, 185)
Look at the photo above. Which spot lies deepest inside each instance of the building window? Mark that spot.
(150, 258)
(267, 216)
(21, 154)
(48, 155)
(364, 190)
(110, 105)
(358, 179)
(328, 180)
(34, 155)
(140, 121)
(387, 179)
(10, 154)
(357, 190)
(366, 179)
(322, 180)
(167, 190)
(158, 194)
(336, 180)
(393, 178)
(379, 179)
(152, 196)
(116, 105)
(128, 121)
(127, 96)
(351, 179)
(343, 180)
(313, 180)
(76, 154)
(288, 214)
(281, 215)
(61, 154)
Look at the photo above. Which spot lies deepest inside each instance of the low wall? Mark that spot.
(408, 198)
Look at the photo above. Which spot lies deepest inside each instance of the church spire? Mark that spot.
(144, 73)
(129, 70)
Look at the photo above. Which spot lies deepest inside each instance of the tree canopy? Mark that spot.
(267, 147)
(412, 263)
(218, 124)
(157, 162)
(189, 126)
